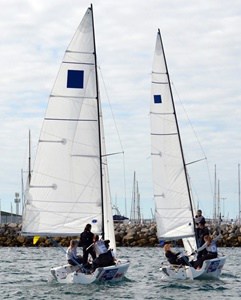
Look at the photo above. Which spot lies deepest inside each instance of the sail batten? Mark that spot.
(77, 63)
(79, 52)
(161, 134)
(159, 82)
(72, 97)
(71, 120)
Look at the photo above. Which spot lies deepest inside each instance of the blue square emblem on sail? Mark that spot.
(75, 79)
(157, 99)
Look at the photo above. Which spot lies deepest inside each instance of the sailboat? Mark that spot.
(69, 185)
(174, 211)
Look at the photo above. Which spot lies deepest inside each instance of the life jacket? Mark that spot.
(212, 247)
(100, 247)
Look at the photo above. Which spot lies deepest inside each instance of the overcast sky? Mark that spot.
(202, 41)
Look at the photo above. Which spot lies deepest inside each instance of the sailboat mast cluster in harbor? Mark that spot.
(220, 213)
(135, 216)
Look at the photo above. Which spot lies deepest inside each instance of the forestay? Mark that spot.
(109, 232)
(172, 200)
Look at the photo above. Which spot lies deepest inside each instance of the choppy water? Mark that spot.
(24, 274)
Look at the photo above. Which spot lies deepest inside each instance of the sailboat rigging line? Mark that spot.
(193, 162)
(111, 110)
(29, 157)
(190, 245)
(124, 170)
(200, 145)
(189, 121)
(99, 129)
(62, 249)
(179, 137)
(109, 154)
(118, 134)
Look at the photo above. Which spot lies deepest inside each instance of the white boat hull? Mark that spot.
(211, 269)
(70, 274)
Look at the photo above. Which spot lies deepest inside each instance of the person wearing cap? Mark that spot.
(199, 217)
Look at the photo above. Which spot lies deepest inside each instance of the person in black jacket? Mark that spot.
(87, 242)
(175, 258)
(199, 217)
(201, 233)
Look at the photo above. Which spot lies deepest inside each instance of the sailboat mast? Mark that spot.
(29, 157)
(215, 196)
(218, 214)
(239, 194)
(134, 197)
(179, 137)
(99, 127)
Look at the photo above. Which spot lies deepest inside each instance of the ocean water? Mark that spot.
(24, 274)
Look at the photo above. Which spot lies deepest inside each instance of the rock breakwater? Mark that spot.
(127, 235)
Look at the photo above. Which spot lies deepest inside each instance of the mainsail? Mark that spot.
(69, 180)
(173, 209)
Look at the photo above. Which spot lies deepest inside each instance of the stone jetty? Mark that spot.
(127, 235)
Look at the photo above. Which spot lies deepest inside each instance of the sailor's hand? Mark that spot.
(180, 255)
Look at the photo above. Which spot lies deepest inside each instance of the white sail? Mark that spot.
(65, 191)
(173, 210)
